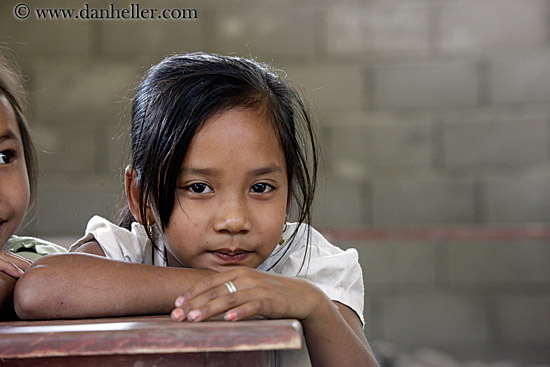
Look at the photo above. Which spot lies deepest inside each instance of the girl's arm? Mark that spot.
(7, 284)
(80, 285)
(333, 332)
(11, 268)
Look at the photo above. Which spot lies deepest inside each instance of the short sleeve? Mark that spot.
(335, 271)
(340, 277)
(118, 243)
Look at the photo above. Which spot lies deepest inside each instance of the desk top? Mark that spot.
(142, 335)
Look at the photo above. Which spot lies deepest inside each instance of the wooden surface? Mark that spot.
(144, 341)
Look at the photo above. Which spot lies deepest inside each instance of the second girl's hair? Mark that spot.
(175, 99)
(11, 88)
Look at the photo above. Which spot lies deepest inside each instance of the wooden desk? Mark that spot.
(148, 341)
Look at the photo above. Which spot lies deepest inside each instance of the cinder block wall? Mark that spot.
(431, 113)
(473, 299)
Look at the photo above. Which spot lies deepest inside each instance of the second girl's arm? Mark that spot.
(7, 284)
(12, 267)
(80, 285)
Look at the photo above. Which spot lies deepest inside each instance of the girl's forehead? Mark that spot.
(235, 134)
(237, 122)
(259, 114)
(8, 122)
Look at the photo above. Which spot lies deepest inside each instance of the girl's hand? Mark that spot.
(13, 264)
(257, 294)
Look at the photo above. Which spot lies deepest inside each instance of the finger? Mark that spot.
(204, 285)
(211, 303)
(245, 311)
(239, 306)
(177, 314)
(18, 260)
(10, 269)
(256, 303)
(182, 307)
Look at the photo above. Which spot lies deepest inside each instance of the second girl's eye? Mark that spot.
(261, 188)
(199, 188)
(6, 156)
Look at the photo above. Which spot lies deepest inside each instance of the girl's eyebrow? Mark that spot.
(9, 135)
(210, 171)
(197, 171)
(266, 170)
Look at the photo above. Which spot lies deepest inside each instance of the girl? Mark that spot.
(219, 156)
(17, 189)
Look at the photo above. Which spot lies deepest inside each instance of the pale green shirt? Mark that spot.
(32, 248)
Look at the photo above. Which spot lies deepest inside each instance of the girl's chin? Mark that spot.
(227, 267)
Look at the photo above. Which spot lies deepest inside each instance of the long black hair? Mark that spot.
(178, 95)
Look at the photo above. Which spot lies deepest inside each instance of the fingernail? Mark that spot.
(177, 314)
(230, 316)
(193, 315)
(179, 301)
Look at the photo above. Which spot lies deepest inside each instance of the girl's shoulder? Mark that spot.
(309, 255)
(309, 238)
(305, 248)
(119, 243)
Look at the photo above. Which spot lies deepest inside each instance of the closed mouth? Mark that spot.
(231, 256)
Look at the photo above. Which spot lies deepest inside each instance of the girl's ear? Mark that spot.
(131, 185)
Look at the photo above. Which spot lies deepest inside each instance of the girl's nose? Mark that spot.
(233, 217)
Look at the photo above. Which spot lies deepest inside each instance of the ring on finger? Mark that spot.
(230, 286)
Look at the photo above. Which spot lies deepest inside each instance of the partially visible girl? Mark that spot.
(222, 149)
(17, 189)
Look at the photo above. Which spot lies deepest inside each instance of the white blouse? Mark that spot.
(335, 271)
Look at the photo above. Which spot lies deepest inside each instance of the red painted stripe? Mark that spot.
(469, 233)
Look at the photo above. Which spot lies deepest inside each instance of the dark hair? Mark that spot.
(178, 95)
(11, 88)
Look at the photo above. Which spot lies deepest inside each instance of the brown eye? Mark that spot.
(199, 188)
(261, 188)
(6, 156)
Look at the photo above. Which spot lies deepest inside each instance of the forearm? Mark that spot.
(7, 284)
(332, 341)
(80, 285)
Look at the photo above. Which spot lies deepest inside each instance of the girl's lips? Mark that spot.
(231, 256)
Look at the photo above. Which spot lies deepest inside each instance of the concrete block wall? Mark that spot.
(473, 299)
(431, 113)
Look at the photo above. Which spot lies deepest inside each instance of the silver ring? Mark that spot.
(230, 287)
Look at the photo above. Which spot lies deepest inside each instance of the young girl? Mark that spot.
(17, 188)
(219, 157)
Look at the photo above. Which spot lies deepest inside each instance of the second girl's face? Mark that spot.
(232, 194)
(14, 182)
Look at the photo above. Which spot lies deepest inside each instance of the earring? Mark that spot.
(282, 240)
(149, 227)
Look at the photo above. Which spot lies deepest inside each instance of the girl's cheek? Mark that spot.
(18, 194)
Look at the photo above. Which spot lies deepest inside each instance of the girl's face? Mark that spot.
(14, 182)
(232, 194)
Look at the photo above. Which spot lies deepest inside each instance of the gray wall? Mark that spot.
(431, 113)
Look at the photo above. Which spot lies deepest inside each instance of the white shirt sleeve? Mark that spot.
(118, 243)
(335, 271)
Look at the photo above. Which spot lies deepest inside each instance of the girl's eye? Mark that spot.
(6, 156)
(200, 188)
(261, 188)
